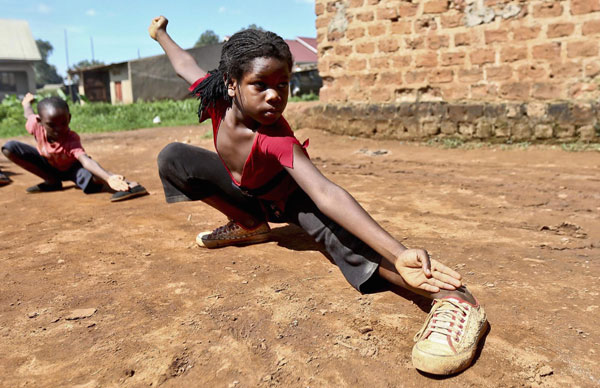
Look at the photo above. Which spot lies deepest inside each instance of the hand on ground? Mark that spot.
(117, 183)
(419, 271)
(158, 23)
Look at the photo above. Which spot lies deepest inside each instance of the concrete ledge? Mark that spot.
(536, 122)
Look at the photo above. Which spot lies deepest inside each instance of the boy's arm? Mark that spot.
(26, 103)
(414, 265)
(184, 64)
(116, 182)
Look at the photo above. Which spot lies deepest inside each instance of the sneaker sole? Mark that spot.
(255, 239)
(447, 365)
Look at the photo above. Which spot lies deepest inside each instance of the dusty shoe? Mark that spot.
(448, 340)
(233, 234)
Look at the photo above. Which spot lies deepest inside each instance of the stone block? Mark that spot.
(560, 113)
(484, 129)
(542, 131)
(521, 130)
(564, 131)
(587, 132)
(448, 127)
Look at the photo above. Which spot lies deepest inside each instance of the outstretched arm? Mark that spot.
(184, 64)
(115, 181)
(414, 265)
(26, 103)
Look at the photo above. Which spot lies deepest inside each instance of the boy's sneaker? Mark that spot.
(233, 234)
(448, 340)
(4, 179)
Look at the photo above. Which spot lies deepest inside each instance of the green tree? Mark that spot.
(253, 27)
(87, 63)
(45, 73)
(208, 37)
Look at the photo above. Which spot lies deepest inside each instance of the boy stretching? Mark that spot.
(60, 156)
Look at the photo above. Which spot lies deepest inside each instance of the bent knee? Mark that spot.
(9, 148)
(168, 154)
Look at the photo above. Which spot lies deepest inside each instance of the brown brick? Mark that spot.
(356, 3)
(492, 36)
(357, 64)
(462, 39)
(591, 27)
(566, 70)
(387, 13)
(479, 57)
(547, 91)
(498, 73)
(343, 49)
(345, 81)
(401, 61)
(560, 29)
(452, 19)
(450, 59)
(470, 75)
(365, 80)
(389, 78)
(388, 45)
(322, 22)
(366, 16)
(319, 9)
(334, 35)
(425, 24)
(586, 48)
(518, 91)
(547, 10)
(592, 68)
(376, 29)
(365, 48)
(580, 89)
(381, 94)
(373, 2)
(407, 9)
(455, 92)
(401, 27)
(579, 7)
(526, 33)
(436, 42)
(484, 91)
(547, 51)
(426, 60)
(511, 54)
(379, 63)
(435, 6)
(415, 43)
(531, 72)
(415, 77)
(354, 33)
(441, 76)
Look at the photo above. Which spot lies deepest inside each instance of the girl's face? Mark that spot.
(263, 91)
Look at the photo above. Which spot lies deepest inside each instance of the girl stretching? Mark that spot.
(261, 173)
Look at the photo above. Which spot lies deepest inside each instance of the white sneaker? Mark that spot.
(448, 340)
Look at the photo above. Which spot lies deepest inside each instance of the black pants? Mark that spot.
(191, 173)
(83, 178)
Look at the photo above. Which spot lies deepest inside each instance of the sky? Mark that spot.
(118, 29)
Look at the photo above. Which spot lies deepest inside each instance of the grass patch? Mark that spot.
(304, 97)
(104, 117)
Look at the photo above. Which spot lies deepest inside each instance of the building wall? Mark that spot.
(502, 70)
(120, 73)
(25, 76)
(457, 50)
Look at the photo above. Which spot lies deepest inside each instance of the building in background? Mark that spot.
(305, 74)
(18, 54)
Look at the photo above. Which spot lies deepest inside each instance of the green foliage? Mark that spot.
(208, 37)
(104, 117)
(44, 72)
(86, 63)
(253, 27)
(304, 97)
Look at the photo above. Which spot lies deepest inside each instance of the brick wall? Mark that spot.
(488, 55)
(458, 50)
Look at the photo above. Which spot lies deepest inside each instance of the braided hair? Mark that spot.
(236, 57)
(53, 102)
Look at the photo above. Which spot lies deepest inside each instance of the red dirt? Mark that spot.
(522, 226)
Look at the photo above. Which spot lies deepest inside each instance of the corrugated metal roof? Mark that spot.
(16, 41)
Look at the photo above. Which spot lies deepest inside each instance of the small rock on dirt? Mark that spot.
(546, 370)
(80, 314)
(33, 314)
(365, 329)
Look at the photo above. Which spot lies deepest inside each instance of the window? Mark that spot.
(8, 81)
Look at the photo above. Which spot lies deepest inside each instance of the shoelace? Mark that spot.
(446, 319)
(223, 230)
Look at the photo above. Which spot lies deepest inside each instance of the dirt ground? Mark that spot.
(100, 294)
